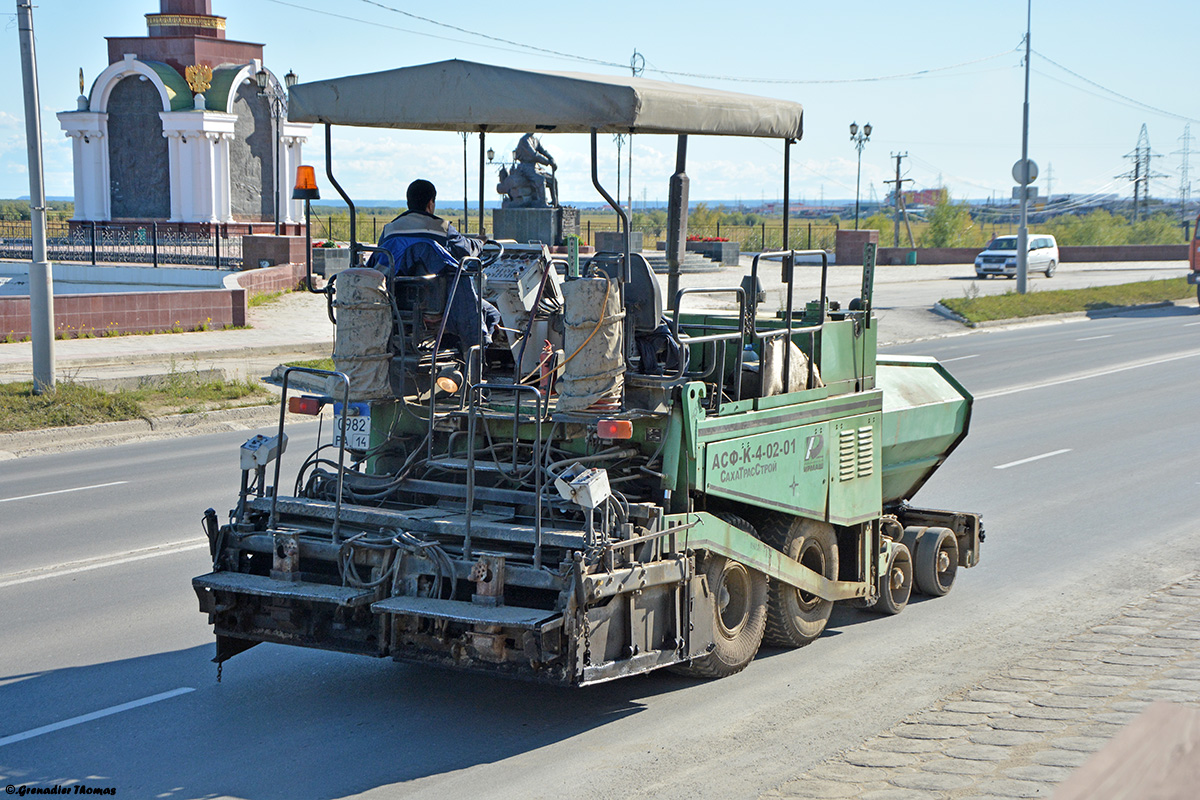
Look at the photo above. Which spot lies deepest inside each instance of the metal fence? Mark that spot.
(804, 235)
(98, 243)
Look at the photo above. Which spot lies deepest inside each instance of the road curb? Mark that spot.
(106, 434)
(1042, 319)
(942, 311)
(251, 351)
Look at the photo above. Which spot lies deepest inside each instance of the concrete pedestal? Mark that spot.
(274, 250)
(614, 241)
(546, 225)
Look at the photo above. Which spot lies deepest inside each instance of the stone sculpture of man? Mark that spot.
(530, 155)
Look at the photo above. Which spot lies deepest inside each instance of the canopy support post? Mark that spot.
(345, 197)
(677, 220)
(482, 167)
(626, 268)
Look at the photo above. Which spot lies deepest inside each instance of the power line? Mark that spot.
(1126, 98)
(872, 79)
(667, 74)
(489, 37)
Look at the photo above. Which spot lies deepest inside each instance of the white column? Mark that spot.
(187, 176)
(224, 199)
(174, 165)
(294, 136)
(199, 164)
(89, 151)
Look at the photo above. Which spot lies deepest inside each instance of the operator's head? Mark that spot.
(421, 194)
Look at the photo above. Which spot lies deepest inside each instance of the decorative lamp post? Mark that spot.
(268, 87)
(859, 138)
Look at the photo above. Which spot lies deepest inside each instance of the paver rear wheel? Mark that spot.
(794, 617)
(936, 561)
(741, 613)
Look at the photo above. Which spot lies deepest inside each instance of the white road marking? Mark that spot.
(958, 358)
(1086, 376)
(1031, 458)
(62, 491)
(104, 712)
(1093, 338)
(87, 565)
(1190, 324)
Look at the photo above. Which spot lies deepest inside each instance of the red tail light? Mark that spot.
(614, 429)
(304, 405)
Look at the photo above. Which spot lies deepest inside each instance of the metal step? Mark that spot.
(262, 586)
(461, 611)
(442, 521)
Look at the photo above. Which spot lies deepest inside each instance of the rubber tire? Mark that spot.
(736, 642)
(932, 544)
(795, 618)
(892, 599)
(1050, 268)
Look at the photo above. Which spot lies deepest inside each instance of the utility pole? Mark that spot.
(897, 188)
(41, 278)
(1049, 182)
(1023, 228)
(1185, 183)
(1141, 174)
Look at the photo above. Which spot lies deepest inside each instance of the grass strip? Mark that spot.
(316, 363)
(72, 403)
(1011, 305)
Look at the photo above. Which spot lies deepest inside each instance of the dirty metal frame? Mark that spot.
(788, 258)
(283, 404)
(626, 262)
(540, 406)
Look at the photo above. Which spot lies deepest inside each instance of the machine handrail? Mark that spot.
(345, 380)
(541, 403)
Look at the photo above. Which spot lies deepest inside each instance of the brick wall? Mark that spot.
(144, 312)
(132, 312)
(849, 244)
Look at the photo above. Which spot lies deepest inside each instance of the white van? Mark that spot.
(1000, 257)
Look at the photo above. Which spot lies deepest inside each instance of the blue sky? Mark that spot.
(959, 120)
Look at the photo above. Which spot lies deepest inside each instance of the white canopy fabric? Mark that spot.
(465, 96)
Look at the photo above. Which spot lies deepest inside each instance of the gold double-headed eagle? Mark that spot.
(199, 78)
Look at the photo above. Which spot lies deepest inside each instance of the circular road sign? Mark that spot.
(1017, 171)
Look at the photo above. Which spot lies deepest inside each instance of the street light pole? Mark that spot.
(268, 87)
(41, 274)
(1023, 228)
(860, 138)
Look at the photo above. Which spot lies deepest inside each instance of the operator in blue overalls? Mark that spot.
(422, 243)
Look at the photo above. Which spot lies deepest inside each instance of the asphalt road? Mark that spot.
(1082, 458)
(904, 295)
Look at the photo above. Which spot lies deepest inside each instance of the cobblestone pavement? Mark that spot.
(1021, 732)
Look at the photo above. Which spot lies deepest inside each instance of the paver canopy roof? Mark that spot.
(465, 96)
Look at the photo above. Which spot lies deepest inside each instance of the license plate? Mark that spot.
(358, 426)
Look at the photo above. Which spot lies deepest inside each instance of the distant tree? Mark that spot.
(883, 224)
(950, 225)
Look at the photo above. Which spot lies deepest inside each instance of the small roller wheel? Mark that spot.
(896, 583)
(740, 596)
(936, 561)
